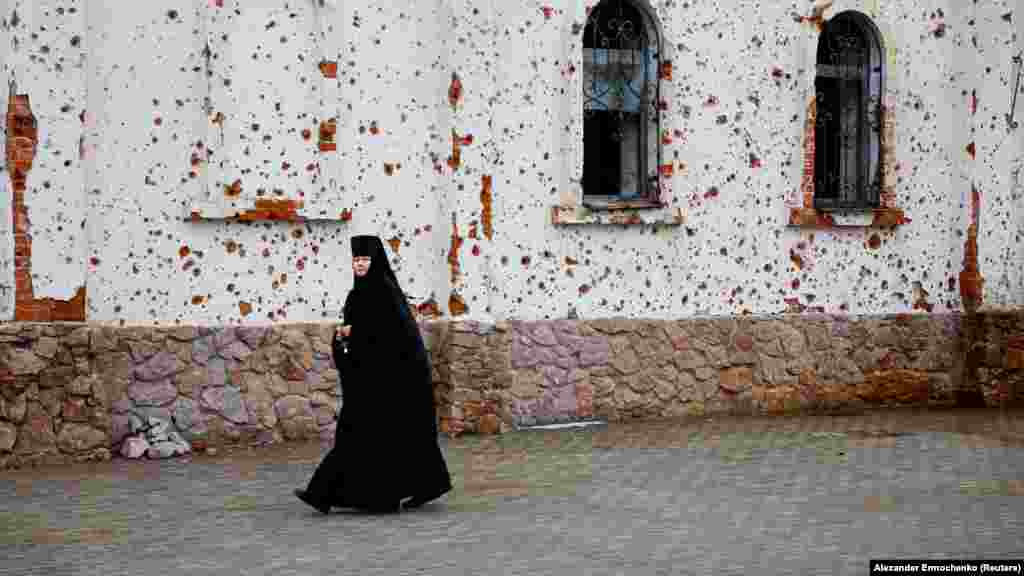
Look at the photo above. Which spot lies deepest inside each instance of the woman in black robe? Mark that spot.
(385, 443)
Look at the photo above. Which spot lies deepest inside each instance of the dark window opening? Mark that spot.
(620, 110)
(847, 136)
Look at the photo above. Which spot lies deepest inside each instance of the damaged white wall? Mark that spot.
(147, 110)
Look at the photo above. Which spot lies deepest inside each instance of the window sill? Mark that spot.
(264, 210)
(875, 218)
(634, 215)
(612, 205)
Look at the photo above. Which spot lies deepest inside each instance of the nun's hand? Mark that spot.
(343, 331)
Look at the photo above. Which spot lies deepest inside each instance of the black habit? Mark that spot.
(385, 445)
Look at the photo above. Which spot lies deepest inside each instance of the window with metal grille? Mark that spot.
(620, 105)
(848, 128)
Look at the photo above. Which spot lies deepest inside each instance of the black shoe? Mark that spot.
(301, 494)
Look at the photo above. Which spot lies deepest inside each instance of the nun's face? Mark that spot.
(360, 265)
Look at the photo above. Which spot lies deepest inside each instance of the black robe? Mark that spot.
(385, 446)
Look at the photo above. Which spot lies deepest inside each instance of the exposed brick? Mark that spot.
(32, 312)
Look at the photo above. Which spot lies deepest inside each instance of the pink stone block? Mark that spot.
(596, 352)
(565, 401)
(681, 342)
(134, 447)
(158, 367)
(556, 377)
(235, 351)
(120, 428)
(744, 342)
(252, 336)
(223, 338)
(153, 393)
(572, 342)
(226, 401)
(542, 334)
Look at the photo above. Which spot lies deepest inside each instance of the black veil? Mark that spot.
(380, 279)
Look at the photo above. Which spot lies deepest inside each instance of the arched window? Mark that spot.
(848, 128)
(620, 104)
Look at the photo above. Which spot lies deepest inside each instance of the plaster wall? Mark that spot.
(458, 130)
(999, 152)
(45, 56)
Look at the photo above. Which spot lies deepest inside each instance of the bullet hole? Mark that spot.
(796, 259)
(234, 190)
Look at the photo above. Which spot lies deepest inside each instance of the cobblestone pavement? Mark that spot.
(807, 495)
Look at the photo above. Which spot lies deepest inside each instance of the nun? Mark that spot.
(386, 454)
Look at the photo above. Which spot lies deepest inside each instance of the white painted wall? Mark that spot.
(132, 189)
(45, 54)
(1000, 153)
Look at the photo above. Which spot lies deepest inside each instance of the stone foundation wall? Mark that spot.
(512, 374)
(997, 365)
(77, 391)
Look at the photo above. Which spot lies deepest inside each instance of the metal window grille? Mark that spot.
(848, 128)
(620, 103)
